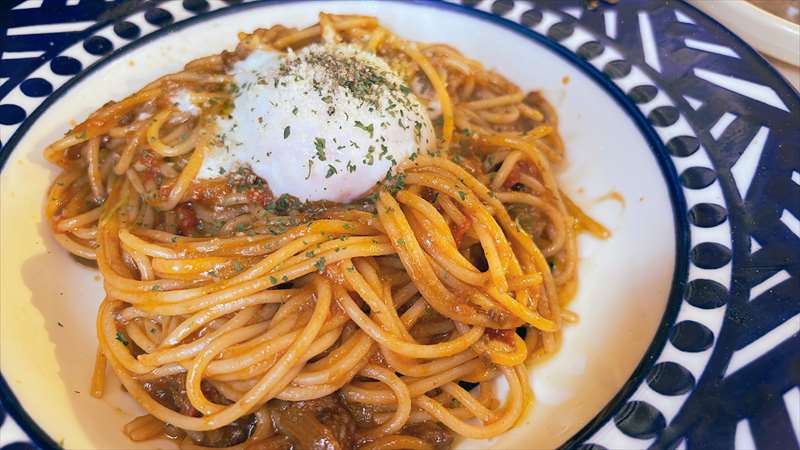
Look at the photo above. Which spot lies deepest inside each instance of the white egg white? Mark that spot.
(325, 123)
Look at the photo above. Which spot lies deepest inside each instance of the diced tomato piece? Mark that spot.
(459, 230)
(187, 219)
(151, 163)
(521, 167)
(504, 336)
(165, 189)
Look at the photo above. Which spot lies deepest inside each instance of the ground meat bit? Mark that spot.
(504, 336)
(335, 427)
(73, 153)
(334, 416)
(433, 433)
(363, 414)
(232, 434)
(171, 392)
(126, 119)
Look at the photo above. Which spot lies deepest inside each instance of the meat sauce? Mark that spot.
(186, 218)
(326, 423)
(520, 168)
(171, 393)
(321, 424)
(431, 432)
(459, 230)
(504, 336)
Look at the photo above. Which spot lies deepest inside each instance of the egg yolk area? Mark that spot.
(326, 123)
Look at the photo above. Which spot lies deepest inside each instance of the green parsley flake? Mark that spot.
(370, 158)
(319, 144)
(310, 164)
(331, 171)
(399, 182)
(368, 128)
(320, 264)
(287, 131)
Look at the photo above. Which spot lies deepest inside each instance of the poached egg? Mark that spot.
(325, 123)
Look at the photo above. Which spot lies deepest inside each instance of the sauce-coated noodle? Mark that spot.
(238, 319)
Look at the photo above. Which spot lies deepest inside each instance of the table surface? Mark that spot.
(790, 72)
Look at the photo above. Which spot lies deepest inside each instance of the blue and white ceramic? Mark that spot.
(690, 313)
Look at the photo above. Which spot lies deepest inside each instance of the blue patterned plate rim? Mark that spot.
(659, 149)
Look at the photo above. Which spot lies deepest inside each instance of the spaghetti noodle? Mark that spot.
(237, 319)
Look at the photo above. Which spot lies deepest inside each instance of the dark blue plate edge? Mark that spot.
(44, 441)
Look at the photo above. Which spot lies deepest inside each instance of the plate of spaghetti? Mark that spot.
(353, 225)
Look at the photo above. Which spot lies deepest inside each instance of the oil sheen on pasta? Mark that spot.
(299, 255)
